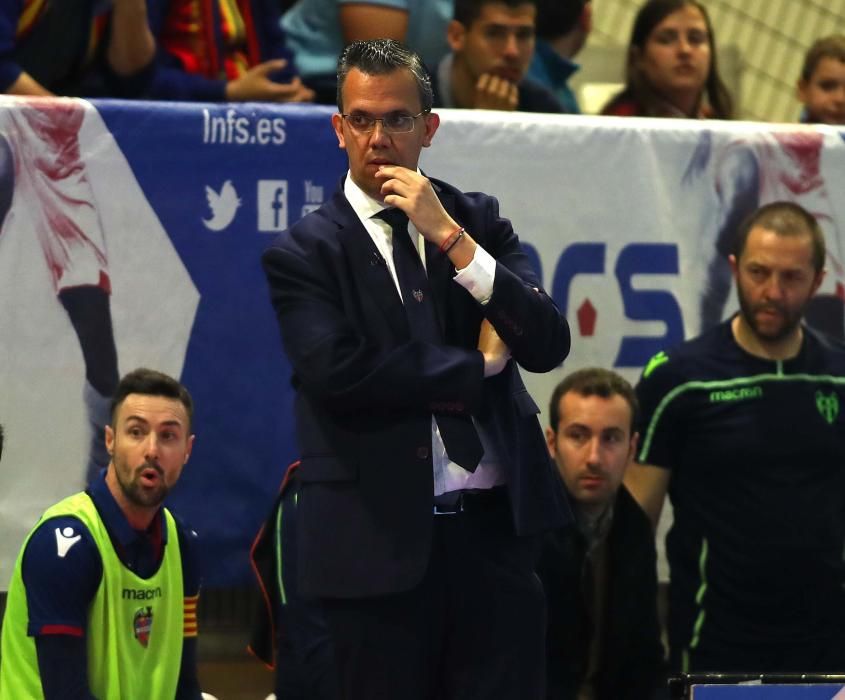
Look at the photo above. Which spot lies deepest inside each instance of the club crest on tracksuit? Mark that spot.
(143, 624)
(828, 406)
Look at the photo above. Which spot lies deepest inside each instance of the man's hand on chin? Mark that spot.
(412, 193)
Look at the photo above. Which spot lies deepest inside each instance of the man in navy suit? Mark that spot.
(404, 306)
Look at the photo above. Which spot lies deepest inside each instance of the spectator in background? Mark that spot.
(821, 87)
(492, 44)
(218, 50)
(49, 47)
(672, 69)
(317, 31)
(562, 30)
(600, 577)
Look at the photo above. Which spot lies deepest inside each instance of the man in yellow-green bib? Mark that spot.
(102, 601)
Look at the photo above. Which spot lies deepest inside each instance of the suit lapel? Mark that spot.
(368, 266)
(370, 269)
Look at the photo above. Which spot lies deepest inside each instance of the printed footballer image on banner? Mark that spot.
(746, 171)
(88, 278)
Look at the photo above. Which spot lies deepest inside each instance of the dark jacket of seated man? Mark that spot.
(628, 660)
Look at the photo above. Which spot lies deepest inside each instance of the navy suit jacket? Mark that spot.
(366, 391)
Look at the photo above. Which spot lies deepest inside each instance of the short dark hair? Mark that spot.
(556, 18)
(149, 382)
(637, 87)
(826, 47)
(380, 57)
(784, 219)
(593, 381)
(467, 11)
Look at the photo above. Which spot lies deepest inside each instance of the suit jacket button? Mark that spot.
(422, 452)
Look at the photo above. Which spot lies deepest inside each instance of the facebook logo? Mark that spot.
(272, 205)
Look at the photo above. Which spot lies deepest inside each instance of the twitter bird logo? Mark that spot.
(224, 205)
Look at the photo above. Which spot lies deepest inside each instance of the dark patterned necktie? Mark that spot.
(458, 432)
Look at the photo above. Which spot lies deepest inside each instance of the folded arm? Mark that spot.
(345, 364)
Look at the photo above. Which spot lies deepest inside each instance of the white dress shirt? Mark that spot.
(477, 278)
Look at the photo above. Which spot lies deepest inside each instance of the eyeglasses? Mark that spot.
(392, 123)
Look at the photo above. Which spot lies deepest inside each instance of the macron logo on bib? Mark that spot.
(65, 539)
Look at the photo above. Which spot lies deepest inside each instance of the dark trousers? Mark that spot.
(304, 658)
(473, 629)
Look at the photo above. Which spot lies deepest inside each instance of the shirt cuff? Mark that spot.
(477, 277)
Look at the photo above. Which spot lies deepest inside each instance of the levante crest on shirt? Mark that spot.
(828, 405)
(143, 624)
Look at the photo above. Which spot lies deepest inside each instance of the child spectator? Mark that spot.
(821, 88)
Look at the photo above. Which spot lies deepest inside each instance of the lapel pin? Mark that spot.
(418, 295)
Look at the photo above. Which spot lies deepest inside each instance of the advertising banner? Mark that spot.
(132, 233)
